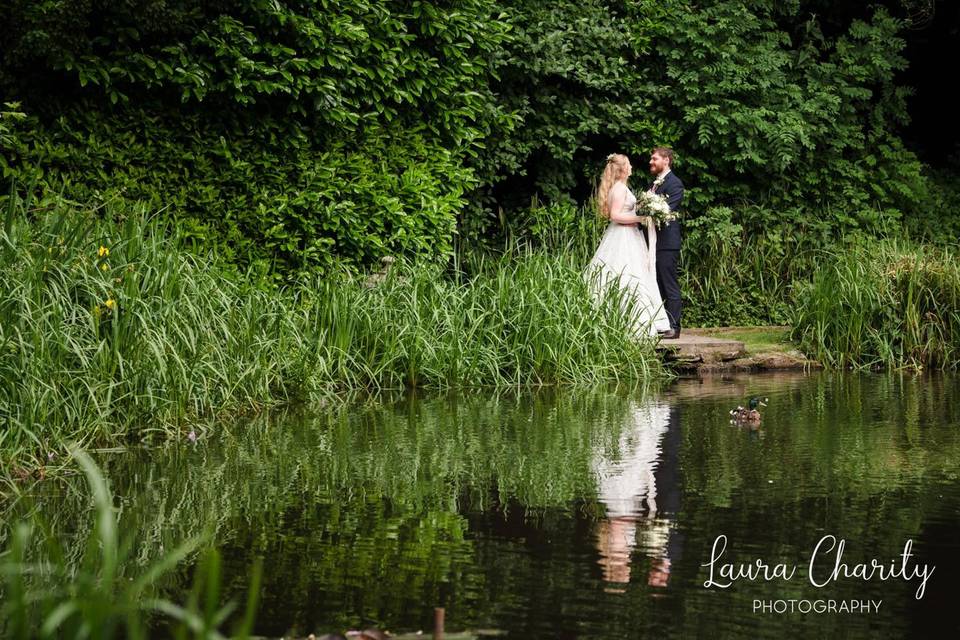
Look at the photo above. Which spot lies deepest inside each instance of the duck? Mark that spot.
(749, 415)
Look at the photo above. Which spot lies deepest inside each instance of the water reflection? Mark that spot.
(523, 511)
(638, 484)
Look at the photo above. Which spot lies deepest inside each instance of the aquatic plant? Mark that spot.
(883, 304)
(98, 590)
(112, 330)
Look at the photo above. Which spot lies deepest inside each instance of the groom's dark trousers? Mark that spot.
(668, 252)
(669, 283)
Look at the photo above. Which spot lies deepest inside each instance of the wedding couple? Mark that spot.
(630, 253)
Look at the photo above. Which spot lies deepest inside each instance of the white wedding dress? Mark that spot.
(623, 259)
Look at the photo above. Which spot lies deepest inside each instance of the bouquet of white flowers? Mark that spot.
(655, 205)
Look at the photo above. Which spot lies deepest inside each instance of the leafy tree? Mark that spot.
(311, 134)
(303, 133)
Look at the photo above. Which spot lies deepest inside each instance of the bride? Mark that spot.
(623, 257)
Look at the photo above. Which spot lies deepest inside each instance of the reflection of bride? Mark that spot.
(623, 257)
(625, 479)
(627, 486)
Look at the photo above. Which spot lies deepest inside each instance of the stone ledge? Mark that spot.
(695, 348)
(708, 350)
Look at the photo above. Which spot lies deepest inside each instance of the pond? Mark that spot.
(573, 514)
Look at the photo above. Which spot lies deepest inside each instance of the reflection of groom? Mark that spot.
(642, 492)
(668, 237)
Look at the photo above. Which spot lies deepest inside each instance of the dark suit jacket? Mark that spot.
(668, 236)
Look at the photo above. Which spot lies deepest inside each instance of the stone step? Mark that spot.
(692, 346)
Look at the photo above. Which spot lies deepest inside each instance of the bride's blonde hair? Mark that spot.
(615, 170)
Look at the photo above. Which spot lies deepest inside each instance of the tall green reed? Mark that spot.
(100, 591)
(740, 266)
(884, 304)
(854, 300)
(111, 330)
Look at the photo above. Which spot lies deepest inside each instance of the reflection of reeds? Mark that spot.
(95, 589)
(336, 498)
(886, 304)
(380, 501)
(110, 329)
(420, 453)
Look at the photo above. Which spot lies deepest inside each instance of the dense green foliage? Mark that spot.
(302, 134)
(307, 134)
(759, 104)
(111, 330)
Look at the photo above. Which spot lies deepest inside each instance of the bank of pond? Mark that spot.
(113, 331)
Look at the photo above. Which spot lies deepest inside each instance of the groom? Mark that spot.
(666, 183)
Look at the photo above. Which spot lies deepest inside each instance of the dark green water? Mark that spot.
(570, 514)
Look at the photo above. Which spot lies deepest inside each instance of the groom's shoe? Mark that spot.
(672, 334)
